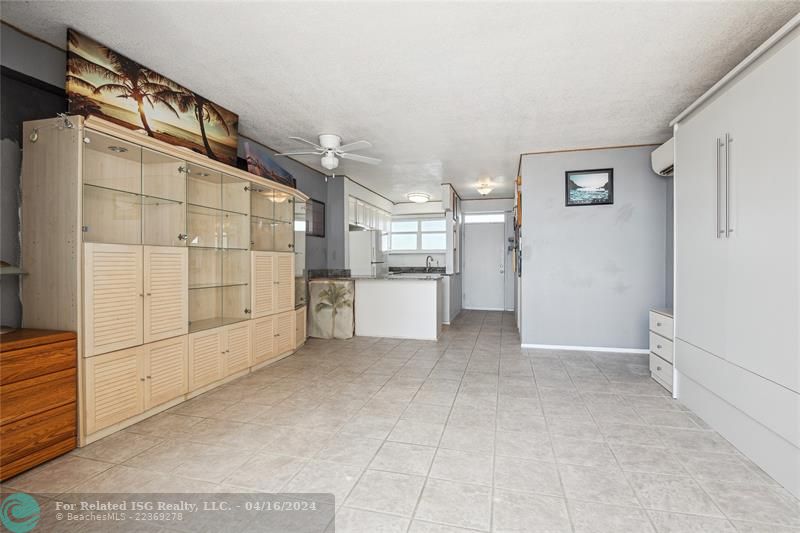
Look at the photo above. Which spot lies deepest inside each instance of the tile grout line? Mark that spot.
(441, 436)
(550, 442)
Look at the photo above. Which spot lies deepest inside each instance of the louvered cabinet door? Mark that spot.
(114, 388)
(166, 374)
(284, 286)
(113, 309)
(237, 348)
(166, 285)
(263, 339)
(263, 283)
(284, 333)
(205, 357)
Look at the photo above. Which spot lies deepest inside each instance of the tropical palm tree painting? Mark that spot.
(331, 300)
(129, 94)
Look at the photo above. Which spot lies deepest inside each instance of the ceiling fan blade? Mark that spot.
(361, 159)
(300, 139)
(358, 145)
(300, 153)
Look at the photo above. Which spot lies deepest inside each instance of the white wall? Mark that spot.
(591, 273)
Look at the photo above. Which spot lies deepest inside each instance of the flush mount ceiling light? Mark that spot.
(329, 160)
(484, 188)
(418, 197)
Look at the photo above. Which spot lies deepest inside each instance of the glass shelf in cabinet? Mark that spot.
(143, 199)
(217, 209)
(214, 322)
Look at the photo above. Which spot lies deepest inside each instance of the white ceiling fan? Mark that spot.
(330, 147)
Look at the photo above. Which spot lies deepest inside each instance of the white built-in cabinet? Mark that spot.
(176, 271)
(273, 336)
(113, 297)
(273, 282)
(125, 383)
(737, 257)
(166, 312)
(217, 353)
(133, 294)
(300, 326)
(737, 231)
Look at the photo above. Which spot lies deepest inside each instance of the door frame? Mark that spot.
(464, 265)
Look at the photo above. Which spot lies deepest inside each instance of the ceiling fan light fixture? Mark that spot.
(418, 197)
(484, 188)
(330, 161)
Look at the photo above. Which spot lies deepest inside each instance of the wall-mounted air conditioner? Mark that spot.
(663, 158)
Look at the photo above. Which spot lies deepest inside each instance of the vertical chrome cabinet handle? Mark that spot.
(728, 228)
(717, 229)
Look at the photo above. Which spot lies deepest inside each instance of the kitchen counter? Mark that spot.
(399, 306)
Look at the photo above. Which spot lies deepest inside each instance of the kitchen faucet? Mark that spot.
(428, 261)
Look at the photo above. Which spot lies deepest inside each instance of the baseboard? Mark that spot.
(586, 348)
(483, 308)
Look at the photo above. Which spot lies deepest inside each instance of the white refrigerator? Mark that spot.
(366, 254)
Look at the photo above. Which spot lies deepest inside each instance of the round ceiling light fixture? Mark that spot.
(484, 188)
(418, 197)
(329, 160)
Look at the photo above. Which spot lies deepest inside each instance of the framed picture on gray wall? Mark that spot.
(589, 187)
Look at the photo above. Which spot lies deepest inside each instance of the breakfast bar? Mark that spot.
(401, 307)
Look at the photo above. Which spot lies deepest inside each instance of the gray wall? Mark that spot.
(670, 288)
(591, 273)
(21, 101)
(334, 222)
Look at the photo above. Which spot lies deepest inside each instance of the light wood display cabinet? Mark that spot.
(177, 271)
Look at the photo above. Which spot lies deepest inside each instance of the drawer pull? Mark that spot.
(659, 346)
(658, 324)
(658, 368)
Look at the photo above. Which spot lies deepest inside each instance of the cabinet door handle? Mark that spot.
(658, 346)
(149, 294)
(728, 229)
(182, 236)
(658, 368)
(717, 229)
(658, 324)
(149, 377)
(141, 379)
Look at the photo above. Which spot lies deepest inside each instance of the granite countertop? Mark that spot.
(416, 270)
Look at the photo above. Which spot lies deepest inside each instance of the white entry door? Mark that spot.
(484, 266)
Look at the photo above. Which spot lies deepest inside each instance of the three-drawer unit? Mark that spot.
(38, 394)
(661, 335)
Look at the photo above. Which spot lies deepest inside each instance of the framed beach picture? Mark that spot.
(104, 83)
(589, 187)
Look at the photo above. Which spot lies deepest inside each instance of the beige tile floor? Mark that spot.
(470, 433)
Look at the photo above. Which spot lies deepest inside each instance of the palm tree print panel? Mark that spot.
(106, 84)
